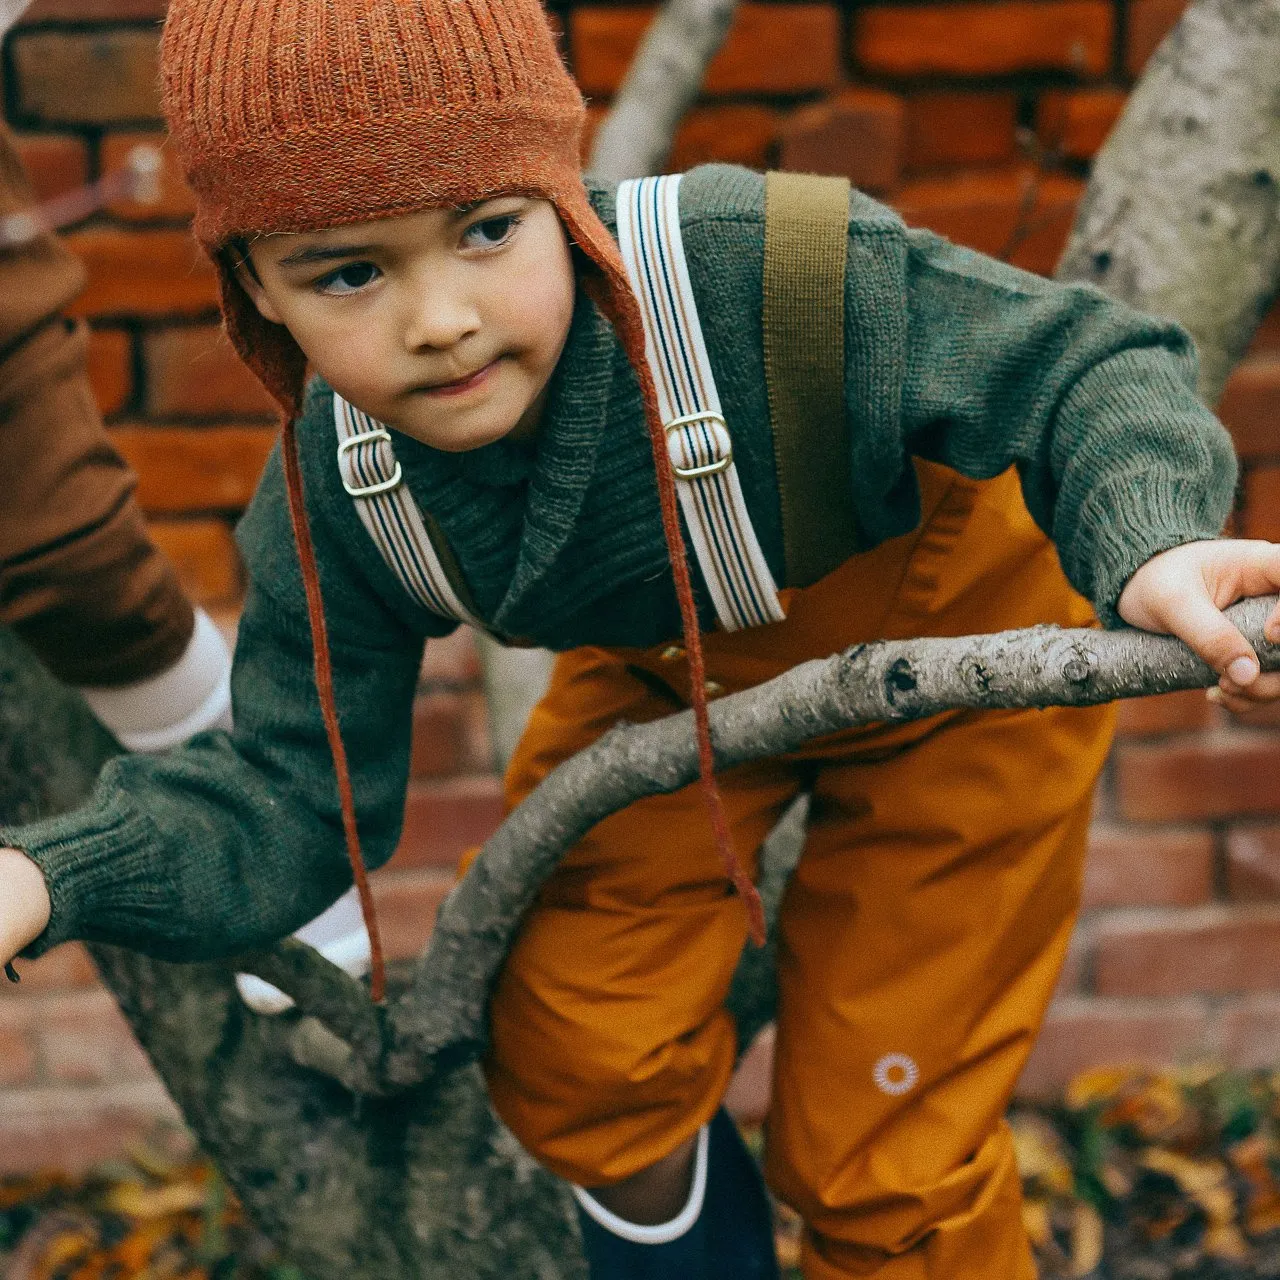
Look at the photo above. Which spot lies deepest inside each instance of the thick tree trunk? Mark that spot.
(1182, 213)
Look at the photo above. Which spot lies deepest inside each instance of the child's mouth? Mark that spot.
(462, 385)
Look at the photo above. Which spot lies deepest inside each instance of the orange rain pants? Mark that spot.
(920, 937)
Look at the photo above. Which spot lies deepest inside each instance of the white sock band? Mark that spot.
(165, 710)
(661, 1232)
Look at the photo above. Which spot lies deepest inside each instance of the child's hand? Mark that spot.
(24, 903)
(1183, 591)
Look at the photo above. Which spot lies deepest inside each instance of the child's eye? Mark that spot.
(348, 279)
(491, 232)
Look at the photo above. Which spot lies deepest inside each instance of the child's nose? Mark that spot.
(439, 321)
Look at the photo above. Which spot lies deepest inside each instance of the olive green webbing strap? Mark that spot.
(805, 248)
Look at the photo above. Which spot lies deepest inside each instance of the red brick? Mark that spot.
(1149, 22)
(70, 1129)
(1075, 123)
(1231, 774)
(87, 77)
(1207, 950)
(1130, 867)
(1249, 1033)
(857, 134)
(94, 10)
(146, 273)
(1080, 1033)
(988, 211)
(17, 1051)
(1253, 862)
(450, 735)
(1261, 515)
(451, 661)
(751, 1089)
(444, 819)
(205, 556)
(110, 366)
(174, 197)
(984, 39)
(55, 163)
(194, 468)
(946, 129)
(771, 48)
(1250, 406)
(738, 134)
(407, 903)
(1181, 712)
(64, 968)
(84, 1039)
(194, 371)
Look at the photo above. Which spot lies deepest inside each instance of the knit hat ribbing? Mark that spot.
(298, 115)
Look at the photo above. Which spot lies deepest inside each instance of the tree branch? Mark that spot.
(891, 681)
(660, 86)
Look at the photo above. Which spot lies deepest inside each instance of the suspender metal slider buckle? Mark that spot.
(345, 464)
(684, 454)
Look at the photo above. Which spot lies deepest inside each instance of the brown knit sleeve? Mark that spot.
(80, 581)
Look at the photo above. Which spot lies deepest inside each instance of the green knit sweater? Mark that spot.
(235, 840)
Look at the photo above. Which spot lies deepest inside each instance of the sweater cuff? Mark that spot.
(1128, 521)
(96, 864)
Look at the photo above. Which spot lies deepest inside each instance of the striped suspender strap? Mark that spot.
(371, 475)
(737, 576)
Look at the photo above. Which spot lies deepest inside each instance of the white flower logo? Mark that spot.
(896, 1074)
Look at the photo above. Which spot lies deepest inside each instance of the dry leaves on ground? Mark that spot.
(1155, 1175)
(1133, 1175)
(147, 1216)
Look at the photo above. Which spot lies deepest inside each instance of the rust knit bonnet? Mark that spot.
(297, 115)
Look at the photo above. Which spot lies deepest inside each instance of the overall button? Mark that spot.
(672, 653)
(713, 688)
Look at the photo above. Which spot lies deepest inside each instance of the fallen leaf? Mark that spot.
(1086, 1239)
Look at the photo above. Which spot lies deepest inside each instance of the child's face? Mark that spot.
(444, 324)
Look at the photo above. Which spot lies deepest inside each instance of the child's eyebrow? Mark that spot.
(324, 253)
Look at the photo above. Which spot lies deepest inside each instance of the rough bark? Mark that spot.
(1182, 213)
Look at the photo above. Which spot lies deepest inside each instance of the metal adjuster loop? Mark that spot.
(708, 468)
(368, 490)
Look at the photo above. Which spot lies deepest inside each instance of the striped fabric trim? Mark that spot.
(371, 475)
(698, 442)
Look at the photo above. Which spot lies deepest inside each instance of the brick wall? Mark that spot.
(975, 118)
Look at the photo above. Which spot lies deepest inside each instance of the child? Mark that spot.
(391, 193)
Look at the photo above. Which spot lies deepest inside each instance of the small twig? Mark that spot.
(324, 992)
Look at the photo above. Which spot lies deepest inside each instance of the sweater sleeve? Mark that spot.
(1092, 401)
(236, 839)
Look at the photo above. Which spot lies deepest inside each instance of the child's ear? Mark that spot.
(248, 280)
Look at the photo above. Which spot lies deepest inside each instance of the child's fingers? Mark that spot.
(1265, 689)
(1193, 617)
